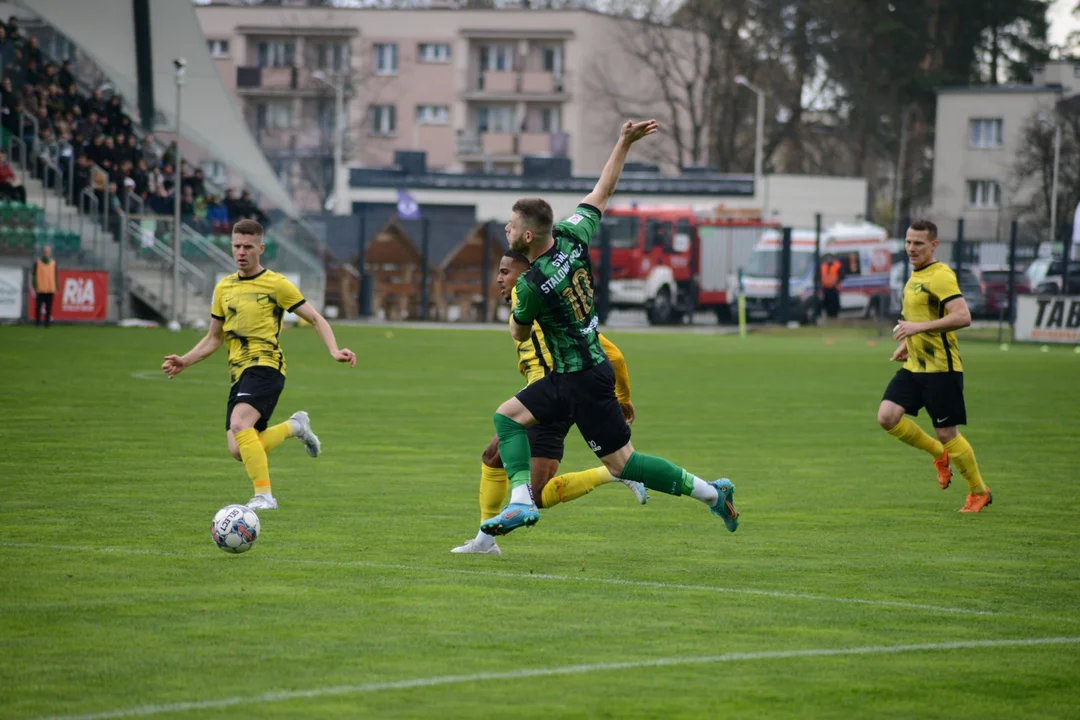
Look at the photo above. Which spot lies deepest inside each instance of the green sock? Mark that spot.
(658, 474)
(513, 449)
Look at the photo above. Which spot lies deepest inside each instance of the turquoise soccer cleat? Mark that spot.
(512, 517)
(724, 508)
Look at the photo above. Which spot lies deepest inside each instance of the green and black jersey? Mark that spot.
(557, 292)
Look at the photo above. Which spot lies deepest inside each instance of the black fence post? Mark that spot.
(366, 290)
(958, 249)
(1014, 233)
(784, 295)
(425, 246)
(603, 294)
(485, 272)
(1066, 246)
(817, 266)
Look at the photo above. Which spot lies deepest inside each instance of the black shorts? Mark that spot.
(259, 387)
(548, 440)
(942, 394)
(586, 399)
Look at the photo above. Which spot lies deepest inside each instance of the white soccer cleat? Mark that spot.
(471, 546)
(302, 430)
(640, 493)
(262, 502)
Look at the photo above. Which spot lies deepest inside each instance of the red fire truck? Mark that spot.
(674, 260)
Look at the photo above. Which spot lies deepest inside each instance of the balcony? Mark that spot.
(281, 81)
(511, 146)
(516, 85)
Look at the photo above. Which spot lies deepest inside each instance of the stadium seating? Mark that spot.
(22, 230)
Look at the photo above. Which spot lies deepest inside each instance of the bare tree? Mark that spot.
(1034, 168)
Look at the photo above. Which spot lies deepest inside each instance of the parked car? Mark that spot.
(972, 292)
(994, 282)
(1052, 284)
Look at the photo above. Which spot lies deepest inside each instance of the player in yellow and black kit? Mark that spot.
(546, 440)
(933, 374)
(246, 315)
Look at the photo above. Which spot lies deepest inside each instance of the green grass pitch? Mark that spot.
(853, 588)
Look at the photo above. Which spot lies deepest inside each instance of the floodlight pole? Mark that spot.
(178, 181)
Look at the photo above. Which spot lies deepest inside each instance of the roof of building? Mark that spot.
(630, 182)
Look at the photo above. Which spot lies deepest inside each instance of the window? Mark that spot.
(386, 58)
(984, 194)
(324, 115)
(274, 115)
(498, 58)
(273, 53)
(985, 133)
(496, 119)
(433, 114)
(332, 56)
(553, 60)
(383, 120)
(550, 120)
(218, 48)
(282, 168)
(434, 52)
(622, 230)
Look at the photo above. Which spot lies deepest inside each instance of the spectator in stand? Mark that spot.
(10, 185)
(141, 175)
(169, 158)
(82, 179)
(33, 52)
(198, 183)
(251, 211)
(187, 205)
(7, 50)
(168, 177)
(114, 110)
(217, 215)
(150, 152)
(201, 206)
(7, 93)
(72, 100)
(96, 103)
(132, 150)
(162, 202)
(66, 77)
(232, 206)
(31, 73)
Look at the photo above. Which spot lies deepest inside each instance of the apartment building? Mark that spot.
(979, 133)
(474, 89)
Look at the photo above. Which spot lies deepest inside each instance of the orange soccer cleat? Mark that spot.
(975, 503)
(944, 472)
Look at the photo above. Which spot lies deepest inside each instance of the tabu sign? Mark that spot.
(1048, 318)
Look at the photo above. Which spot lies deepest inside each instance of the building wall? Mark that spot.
(588, 40)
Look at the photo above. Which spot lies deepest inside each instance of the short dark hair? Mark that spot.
(536, 213)
(517, 257)
(925, 225)
(247, 227)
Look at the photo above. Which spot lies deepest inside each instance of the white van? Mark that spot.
(863, 248)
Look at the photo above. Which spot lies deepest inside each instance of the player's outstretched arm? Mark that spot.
(326, 334)
(605, 187)
(175, 364)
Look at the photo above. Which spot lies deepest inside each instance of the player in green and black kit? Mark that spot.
(557, 293)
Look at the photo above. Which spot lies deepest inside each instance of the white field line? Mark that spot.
(438, 680)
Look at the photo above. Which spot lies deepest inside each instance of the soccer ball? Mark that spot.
(235, 528)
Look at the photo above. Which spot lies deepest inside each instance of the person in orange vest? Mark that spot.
(831, 276)
(44, 279)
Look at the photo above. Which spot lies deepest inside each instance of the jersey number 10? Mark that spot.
(580, 294)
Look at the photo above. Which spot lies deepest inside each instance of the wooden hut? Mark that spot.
(459, 280)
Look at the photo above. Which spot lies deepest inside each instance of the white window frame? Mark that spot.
(219, 49)
(384, 120)
(494, 56)
(983, 194)
(333, 56)
(552, 118)
(496, 118)
(278, 114)
(279, 53)
(557, 59)
(986, 133)
(433, 114)
(386, 58)
(433, 52)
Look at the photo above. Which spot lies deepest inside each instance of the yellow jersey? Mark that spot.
(251, 309)
(926, 293)
(534, 358)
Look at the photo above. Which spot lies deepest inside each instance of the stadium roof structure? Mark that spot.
(209, 117)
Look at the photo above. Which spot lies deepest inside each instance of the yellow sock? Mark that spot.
(961, 455)
(571, 486)
(254, 457)
(493, 484)
(272, 437)
(908, 432)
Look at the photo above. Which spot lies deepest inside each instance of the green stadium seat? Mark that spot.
(6, 240)
(7, 213)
